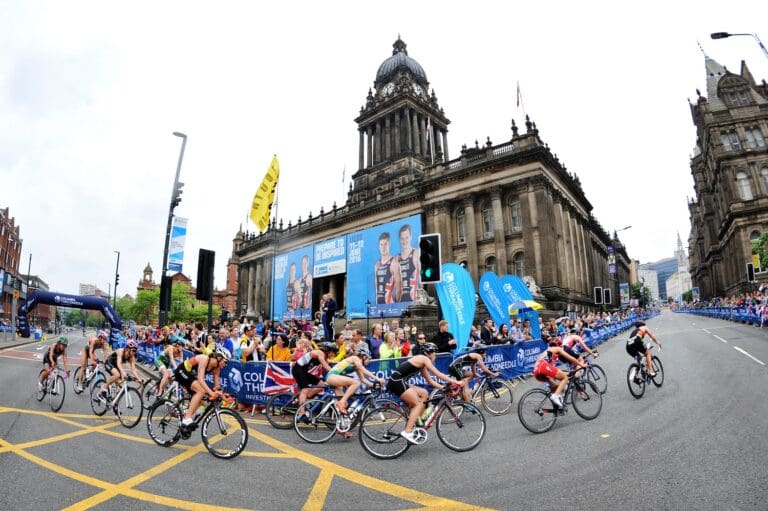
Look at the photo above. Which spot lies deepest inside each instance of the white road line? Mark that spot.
(750, 356)
(720, 339)
(706, 331)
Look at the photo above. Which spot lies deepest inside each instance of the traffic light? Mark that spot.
(750, 272)
(177, 191)
(430, 258)
(598, 294)
(117, 279)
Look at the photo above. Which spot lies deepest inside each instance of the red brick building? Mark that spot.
(10, 253)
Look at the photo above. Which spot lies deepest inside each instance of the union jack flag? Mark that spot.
(277, 379)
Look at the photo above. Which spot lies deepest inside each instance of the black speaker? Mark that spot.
(205, 274)
(750, 272)
(598, 293)
(165, 293)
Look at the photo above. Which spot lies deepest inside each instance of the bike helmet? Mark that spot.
(362, 351)
(638, 324)
(575, 331)
(429, 347)
(63, 340)
(329, 346)
(224, 352)
(480, 348)
(132, 345)
(103, 334)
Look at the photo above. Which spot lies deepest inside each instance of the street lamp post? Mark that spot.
(174, 201)
(723, 35)
(117, 278)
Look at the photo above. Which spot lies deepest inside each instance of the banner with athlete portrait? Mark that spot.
(383, 268)
(293, 285)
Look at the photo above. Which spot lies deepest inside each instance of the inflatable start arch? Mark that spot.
(74, 301)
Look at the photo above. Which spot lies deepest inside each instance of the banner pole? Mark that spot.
(276, 241)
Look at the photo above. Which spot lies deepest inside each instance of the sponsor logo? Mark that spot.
(449, 277)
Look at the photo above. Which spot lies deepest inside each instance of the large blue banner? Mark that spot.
(383, 268)
(176, 248)
(457, 301)
(514, 288)
(330, 257)
(293, 285)
(493, 296)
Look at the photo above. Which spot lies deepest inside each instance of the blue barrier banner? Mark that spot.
(515, 289)
(493, 297)
(457, 301)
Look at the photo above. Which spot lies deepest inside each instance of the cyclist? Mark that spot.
(166, 361)
(413, 395)
(573, 341)
(89, 354)
(464, 367)
(191, 375)
(337, 376)
(545, 369)
(636, 346)
(114, 365)
(308, 370)
(49, 359)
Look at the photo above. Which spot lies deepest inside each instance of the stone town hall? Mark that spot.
(510, 207)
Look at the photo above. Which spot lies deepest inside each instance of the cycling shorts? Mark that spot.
(572, 352)
(396, 385)
(303, 377)
(184, 378)
(459, 371)
(543, 370)
(636, 346)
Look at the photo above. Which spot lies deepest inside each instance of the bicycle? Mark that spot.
(165, 428)
(638, 375)
(123, 401)
(173, 391)
(595, 374)
(54, 386)
(538, 414)
(460, 426)
(493, 392)
(92, 376)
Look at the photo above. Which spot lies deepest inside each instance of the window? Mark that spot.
(726, 142)
(518, 264)
(464, 265)
(745, 190)
(487, 213)
(490, 264)
(515, 217)
(754, 236)
(735, 141)
(754, 138)
(736, 97)
(764, 176)
(461, 225)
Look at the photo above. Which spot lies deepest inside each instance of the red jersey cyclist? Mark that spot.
(88, 355)
(50, 359)
(546, 371)
(636, 346)
(191, 375)
(413, 395)
(115, 365)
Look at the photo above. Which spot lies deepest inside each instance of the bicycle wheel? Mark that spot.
(129, 408)
(40, 391)
(97, 380)
(658, 368)
(635, 381)
(98, 404)
(380, 430)
(224, 433)
(280, 410)
(497, 397)
(461, 431)
(536, 412)
(149, 394)
(315, 421)
(57, 392)
(596, 375)
(76, 380)
(163, 422)
(587, 399)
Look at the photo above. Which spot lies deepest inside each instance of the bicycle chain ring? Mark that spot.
(419, 436)
(343, 424)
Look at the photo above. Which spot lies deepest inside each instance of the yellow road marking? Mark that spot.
(85, 431)
(316, 499)
(266, 455)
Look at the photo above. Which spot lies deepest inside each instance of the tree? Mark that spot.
(640, 293)
(760, 247)
(688, 296)
(145, 306)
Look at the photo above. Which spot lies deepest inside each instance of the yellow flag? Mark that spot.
(261, 208)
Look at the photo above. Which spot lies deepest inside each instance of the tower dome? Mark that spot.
(400, 60)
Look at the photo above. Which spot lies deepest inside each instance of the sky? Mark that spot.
(91, 93)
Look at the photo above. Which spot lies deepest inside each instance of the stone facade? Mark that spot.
(510, 207)
(730, 173)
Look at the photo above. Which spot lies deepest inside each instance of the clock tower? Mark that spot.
(402, 128)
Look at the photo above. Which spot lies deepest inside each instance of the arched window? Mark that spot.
(518, 264)
(754, 236)
(461, 225)
(515, 216)
(487, 213)
(464, 265)
(490, 264)
(745, 190)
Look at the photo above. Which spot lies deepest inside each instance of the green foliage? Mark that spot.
(641, 293)
(760, 247)
(688, 296)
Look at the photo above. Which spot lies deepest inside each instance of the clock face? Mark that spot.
(389, 88)
(417, 89)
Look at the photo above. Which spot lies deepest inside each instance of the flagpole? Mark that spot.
(520, 98)
(274, 253)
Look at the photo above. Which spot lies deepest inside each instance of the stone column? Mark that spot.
(500, 242)
(585, 262)
(572, 250)
(249, 286)
(565, 254)
(369, 134)
(362, 150)
(377, 156)
(423, 135)
(445, 145)
(259, 297)
(416, 135)
(387, 138)
(535, 237)
(408, 131)
(398, 149)
(472, 262)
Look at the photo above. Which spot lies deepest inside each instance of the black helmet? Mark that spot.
(329, 346)
(638, 324)
(429, 347)
(575, 331)
(480, 348)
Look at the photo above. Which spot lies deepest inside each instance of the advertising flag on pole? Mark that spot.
(457, 301)
(518, 93)
(176, 248)
(261, 208)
